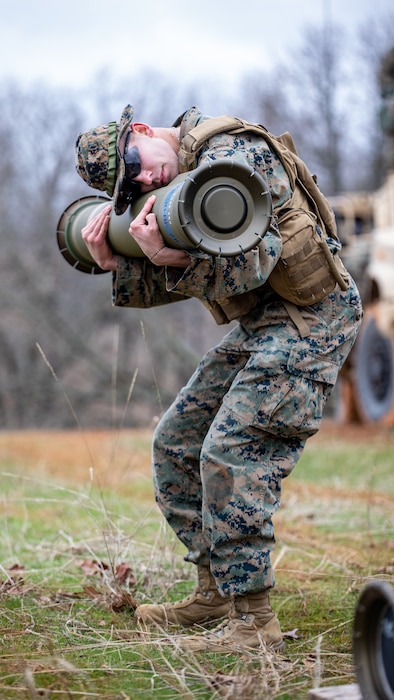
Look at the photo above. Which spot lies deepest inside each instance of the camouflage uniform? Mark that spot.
(239, 426)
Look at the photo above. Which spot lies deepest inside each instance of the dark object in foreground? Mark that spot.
(373, 641)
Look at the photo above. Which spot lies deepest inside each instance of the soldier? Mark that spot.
(239, 426)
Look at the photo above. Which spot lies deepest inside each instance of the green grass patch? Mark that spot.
(75, 558)
(360, 467)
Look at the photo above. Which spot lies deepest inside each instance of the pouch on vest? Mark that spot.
(306, 271)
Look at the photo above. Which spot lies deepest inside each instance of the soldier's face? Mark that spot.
(158, 161)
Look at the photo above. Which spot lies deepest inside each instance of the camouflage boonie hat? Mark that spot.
(99, 161)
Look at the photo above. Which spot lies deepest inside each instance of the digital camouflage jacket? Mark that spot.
(228, 286)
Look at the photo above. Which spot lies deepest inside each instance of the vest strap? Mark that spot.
(297, 318)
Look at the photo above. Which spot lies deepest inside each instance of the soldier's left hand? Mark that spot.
(145, 231)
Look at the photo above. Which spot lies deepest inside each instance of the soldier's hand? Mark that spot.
(145, 231)
(95, 236)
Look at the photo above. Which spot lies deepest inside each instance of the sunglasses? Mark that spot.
(132, 160)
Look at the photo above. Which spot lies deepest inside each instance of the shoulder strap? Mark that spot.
(196, 137)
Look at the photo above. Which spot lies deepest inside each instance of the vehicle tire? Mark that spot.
(372, 372)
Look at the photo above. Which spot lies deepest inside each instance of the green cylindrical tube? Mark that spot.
(223, 208)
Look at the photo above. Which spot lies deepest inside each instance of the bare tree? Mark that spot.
(316, 84)
(375, 40)
(57, 327)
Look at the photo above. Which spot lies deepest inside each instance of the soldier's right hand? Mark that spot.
(95, 236)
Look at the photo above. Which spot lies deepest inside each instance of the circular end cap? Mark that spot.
(69, 234)
(224, 208)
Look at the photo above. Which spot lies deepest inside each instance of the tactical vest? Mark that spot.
(308, 270)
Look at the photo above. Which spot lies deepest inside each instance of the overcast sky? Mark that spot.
(67, 43)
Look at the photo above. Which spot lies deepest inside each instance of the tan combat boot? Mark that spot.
(251, 623)
(203, 605)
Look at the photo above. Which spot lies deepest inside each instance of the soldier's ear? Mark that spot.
(141, 128)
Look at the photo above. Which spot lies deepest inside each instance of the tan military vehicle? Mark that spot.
(366, 228)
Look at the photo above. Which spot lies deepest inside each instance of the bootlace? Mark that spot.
(220, 629)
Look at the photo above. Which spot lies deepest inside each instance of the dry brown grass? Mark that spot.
(119, 455)
(71, 454)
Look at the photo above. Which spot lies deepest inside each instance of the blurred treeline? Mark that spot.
(67, 356)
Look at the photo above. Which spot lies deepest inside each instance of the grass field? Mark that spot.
(81, 542)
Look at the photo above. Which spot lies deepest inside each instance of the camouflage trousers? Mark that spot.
(238, 428)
